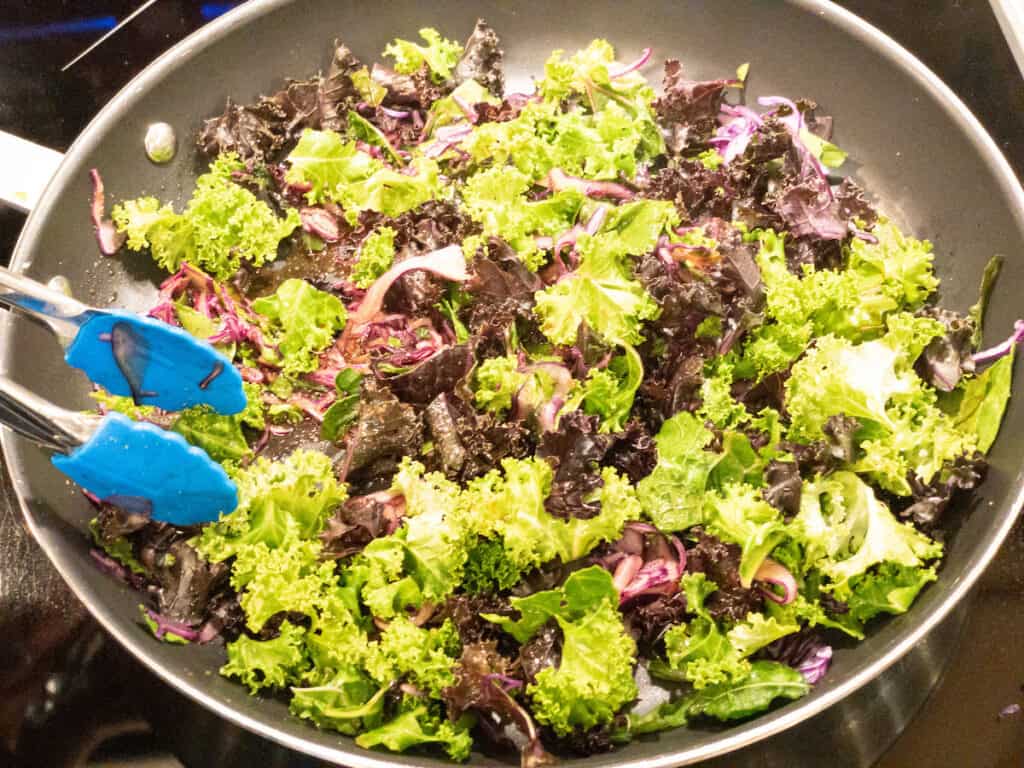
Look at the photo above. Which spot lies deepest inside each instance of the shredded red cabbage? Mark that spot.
(559, 180)
(319, 222)
(166, 626)
(645, 56)
(738, 125)
(815, 665)
(398, 114)
(772, 572)
(107, 236)
(113, 568)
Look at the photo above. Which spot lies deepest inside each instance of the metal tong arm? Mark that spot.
(59, 312)
(41, 421)
(1010, 15)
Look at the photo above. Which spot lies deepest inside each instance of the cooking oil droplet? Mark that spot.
(160, 143)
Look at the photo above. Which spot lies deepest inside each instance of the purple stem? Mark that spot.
(645, 56)
(1003, 348)
(107, 236)
(165, 626)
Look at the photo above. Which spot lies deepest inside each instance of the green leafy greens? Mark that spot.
(222, 224)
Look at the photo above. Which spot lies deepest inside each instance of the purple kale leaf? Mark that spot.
(689, 108)
(468, 443)
(262, 129)
(720, 562)
(482, 60)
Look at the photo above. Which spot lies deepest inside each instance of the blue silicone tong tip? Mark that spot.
(130, 355)
(132, 459)
(155, 363)
(145, 359)
(121, 460)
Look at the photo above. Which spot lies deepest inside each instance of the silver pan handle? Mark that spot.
(28, 168)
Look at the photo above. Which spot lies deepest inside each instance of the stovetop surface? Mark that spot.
(64, 720)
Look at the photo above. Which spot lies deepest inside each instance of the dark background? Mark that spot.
(56, 708)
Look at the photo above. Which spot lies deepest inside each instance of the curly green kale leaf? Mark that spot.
(496, 199)
(903, 431)
(594, 678)
(511, 505)
(375, 257)
(337, 170)
(278, 502)
(304, 321)
(275, 663)
(222, 224)
(439, 54)
(424, 558)
(845, 529)
(672, 496)
(423, 656)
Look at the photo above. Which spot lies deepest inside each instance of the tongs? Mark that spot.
(137, 464)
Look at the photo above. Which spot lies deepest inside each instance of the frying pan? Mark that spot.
(913, 144)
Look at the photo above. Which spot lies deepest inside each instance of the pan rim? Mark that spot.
(724, 743)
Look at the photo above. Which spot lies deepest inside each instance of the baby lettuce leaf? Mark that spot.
(887, 588)
(981, 401)
(344, 412)
(289, 578)
(705, 653)
(349, 702)
(977, 310)
(361, 128)
(220, 436)
(418, 726)
(327, 163)
(767, 681)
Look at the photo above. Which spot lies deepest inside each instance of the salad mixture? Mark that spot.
(572, 416)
